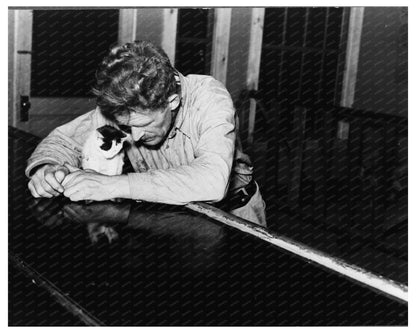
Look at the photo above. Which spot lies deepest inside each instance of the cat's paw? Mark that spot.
(111, 234)
(98, 231)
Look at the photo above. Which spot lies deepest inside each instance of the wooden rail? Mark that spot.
(54, 292)
(380, 283)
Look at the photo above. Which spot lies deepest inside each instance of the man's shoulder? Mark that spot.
(198, 77)
(205, 97)
(196, 81)
(202, 87)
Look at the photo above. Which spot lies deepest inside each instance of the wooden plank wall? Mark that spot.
(22, 55)
(221, 38)
(127, 25)
(170, 22)
(253, 68)
(353, 51)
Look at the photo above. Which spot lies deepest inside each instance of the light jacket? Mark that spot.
(198, 160)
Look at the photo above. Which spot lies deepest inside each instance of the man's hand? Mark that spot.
(46, 181)
(91, 185)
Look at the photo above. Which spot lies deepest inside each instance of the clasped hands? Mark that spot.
(76, 184)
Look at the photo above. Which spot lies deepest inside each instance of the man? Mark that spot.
(182, 138)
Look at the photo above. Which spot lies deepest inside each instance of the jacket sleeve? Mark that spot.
(64, 144)
(206, 178)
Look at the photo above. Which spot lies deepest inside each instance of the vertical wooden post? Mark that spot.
(127, 25)
(221, 38)
(170, 22)
(23, 20)
(352, 55)
(12, 83)
(253, 69)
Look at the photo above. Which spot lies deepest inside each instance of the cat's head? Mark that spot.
(110, 140)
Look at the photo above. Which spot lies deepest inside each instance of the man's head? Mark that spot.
(137, 88)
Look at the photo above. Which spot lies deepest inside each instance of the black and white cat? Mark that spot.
(102, 151)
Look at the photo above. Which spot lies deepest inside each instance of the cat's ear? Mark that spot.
(123, 139)
(98, 135)
(123, 135)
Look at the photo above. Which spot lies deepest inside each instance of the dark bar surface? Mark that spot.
(166, 265)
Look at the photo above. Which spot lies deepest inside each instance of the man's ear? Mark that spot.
(174, 101)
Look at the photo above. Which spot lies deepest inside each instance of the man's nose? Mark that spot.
(136, 133)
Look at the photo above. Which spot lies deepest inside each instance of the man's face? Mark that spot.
(151, 127)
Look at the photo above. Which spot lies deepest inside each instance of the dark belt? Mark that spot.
(238, 198)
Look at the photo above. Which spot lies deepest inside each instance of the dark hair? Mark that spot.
(133, 75)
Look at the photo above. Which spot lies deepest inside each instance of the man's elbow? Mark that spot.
(218, 189)
(217, 196)
(213, 184)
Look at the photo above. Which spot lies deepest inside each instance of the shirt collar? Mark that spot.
(180, 116)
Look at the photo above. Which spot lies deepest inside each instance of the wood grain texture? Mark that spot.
(352, 56)
(127, 25)
(170, 22)
(221, 38)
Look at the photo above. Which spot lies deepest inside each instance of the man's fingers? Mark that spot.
(48, 188)
(40, 190)
(50, 178)
(33, 190)
(74, 195)
(61, 173)
(46, 182)
(69, 179)
(71, 168)
(70, 191)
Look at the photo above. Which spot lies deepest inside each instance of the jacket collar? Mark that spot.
(180, 116)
